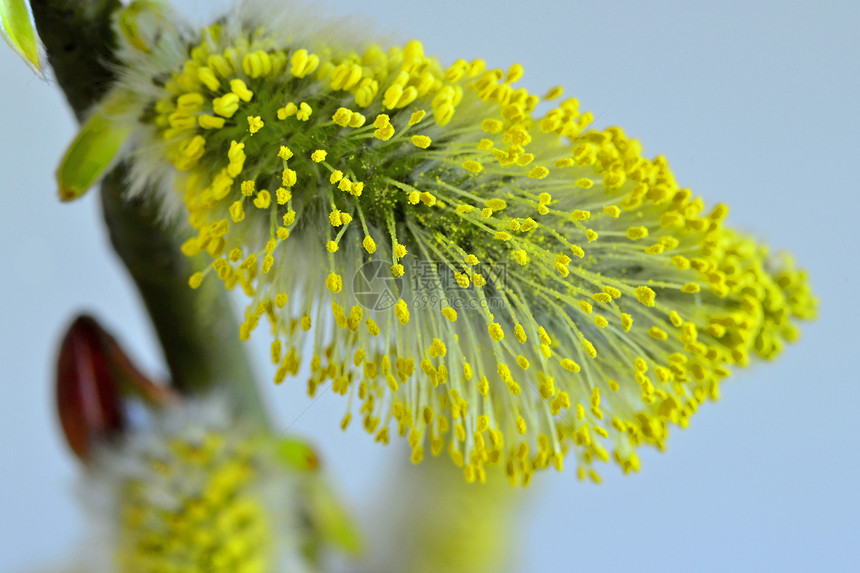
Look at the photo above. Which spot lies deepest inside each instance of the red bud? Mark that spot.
(88, 396)
(94, 376)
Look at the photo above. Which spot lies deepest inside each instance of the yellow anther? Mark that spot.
(672, 219)
(417, 116)
(196, 280)
(602, 297)
(257, 64)
(528, 225)
(239, 88)
(681, 262)
(719, 212)
(515, 72)
(210, 122)
(391, 96)
(302, 63)
(449, 313)
(288, 110)
(520, 333)
(248, 188)
(421, 141)
(283, 196)
(645, 295)
(338, 218)
(288, 178)
(268, 263)
(657, 333)
(492, 126)
(561, 262)
(496, 204)
(520, 424)
(612, 210)
(319, 155)
(626, 322)
(304, 112)
(255, 124)
(538, 172)
(342, 116)
(372, 327)
(401, 311)
(437, 348)
(334, 283)
(285, 152)
(381, 120)
(496, 331)
(369, 245)
(525, 159)
(263, 200)
(554, 93)
(612, 291)
(237, 213)
(636, 233)
(345, 185)
(345, 76)
(207, 78)
(226, 105)
(384, 133)
(570, 365)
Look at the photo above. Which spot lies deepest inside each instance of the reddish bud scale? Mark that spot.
(88, 396)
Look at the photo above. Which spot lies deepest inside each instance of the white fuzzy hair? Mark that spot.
(101, 487)
(289, 22)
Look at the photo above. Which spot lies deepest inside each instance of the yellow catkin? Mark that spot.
(421, 211)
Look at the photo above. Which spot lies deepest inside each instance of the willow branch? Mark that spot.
(197, 329)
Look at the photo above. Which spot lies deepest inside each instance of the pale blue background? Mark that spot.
(754, 103)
